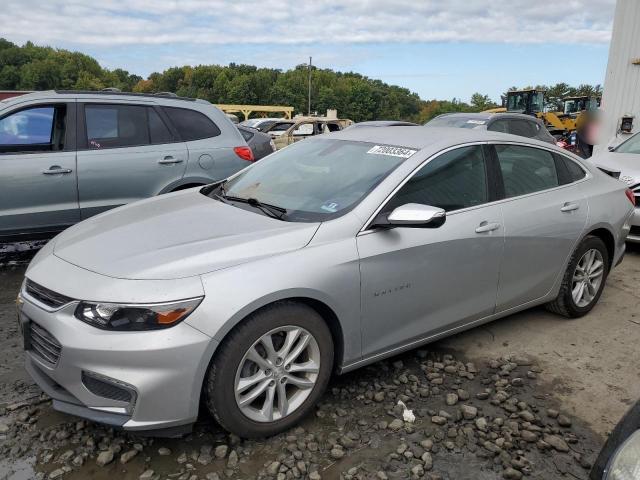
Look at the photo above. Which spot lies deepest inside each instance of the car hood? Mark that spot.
(628, 164)
(176, 236)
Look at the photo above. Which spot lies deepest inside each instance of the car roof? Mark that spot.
(384, 123)
(421, 137)
(102, 93)
(488, 115)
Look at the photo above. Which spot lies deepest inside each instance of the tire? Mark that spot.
(233, 363)
(565, 303)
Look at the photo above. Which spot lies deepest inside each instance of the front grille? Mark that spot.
(46, 296)
(105, 389)
(43, 344)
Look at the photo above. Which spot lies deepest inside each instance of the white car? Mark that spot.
(623, 162)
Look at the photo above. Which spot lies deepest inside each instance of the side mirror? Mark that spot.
(413, 215)
(611, 148)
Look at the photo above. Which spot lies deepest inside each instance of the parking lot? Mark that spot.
(569, 383)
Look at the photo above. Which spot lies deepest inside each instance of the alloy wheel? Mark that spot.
(277, 374)
(587, 277)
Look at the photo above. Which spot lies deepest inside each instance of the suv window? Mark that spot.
(191, 125)
(499, 126)
(158, 131)
(112, 126)
(526, 169)
(523, 128)
(454, 180)
(246, 134)
(116, 125)
(37, 129)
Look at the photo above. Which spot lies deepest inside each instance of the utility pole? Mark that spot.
(309, 109)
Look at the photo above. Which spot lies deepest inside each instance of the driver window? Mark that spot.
(35, 129)
(452, 181)
(304, 130)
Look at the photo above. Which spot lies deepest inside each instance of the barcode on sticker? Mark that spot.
(392, 151)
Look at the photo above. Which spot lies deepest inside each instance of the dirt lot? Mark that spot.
(530, 396)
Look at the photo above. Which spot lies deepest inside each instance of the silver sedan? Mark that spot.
(325, 256)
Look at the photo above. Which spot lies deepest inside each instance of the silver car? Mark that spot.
(513, 123)
(325, 256)
(623, 162)
(65, 156)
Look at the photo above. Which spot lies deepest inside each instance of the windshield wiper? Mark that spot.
(270, 210)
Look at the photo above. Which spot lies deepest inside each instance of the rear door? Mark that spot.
(126, 152)
(545, 213)
(38, 190)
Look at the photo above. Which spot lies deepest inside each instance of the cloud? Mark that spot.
(120, 23)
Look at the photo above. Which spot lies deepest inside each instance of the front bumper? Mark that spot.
(162, 370)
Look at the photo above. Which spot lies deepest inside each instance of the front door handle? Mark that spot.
(485, 227)
(169, 160)
(569, 207)
(56, 170)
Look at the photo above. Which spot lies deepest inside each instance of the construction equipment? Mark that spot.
(531, 102)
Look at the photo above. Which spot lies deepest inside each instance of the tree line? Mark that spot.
(32, 67)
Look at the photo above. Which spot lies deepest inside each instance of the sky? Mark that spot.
(437, 48)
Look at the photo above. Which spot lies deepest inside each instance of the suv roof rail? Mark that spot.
(129, 94)
(110, 89)
(165, 94)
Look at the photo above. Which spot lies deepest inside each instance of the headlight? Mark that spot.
(135, 317)
(625, 464)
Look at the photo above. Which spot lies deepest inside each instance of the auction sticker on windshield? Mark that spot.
(392, 151)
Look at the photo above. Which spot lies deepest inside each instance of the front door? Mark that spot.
(38, 189)
(416, 282)
(126, 153)
(545, 212)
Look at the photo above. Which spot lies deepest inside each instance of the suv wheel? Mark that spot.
(583, 280)
(270, 371)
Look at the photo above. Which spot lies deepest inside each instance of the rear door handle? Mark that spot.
(569, 207)
(56, 170)
(485, 227)
(169, 160)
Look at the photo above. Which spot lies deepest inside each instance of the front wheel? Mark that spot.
(583, 280)
(270, 371)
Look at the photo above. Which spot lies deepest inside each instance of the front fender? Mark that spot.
(327, 273)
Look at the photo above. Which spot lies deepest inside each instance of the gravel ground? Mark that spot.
(511, 400)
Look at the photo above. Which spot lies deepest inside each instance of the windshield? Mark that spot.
(263, 125)
(632, 145)
(457, 122)
(316, 180)
(277, 127)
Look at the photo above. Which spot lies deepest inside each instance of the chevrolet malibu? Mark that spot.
(325, 256)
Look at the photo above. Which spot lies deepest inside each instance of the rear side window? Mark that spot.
(158, 131)
(114, 125)
(452, 181)
(499, 126)
(246, 134)
(569, 171)
(111, 126)
(190, 124)
(523, 128)
(526, 169)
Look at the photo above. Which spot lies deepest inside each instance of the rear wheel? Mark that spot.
(583, 280)
(270, 371)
